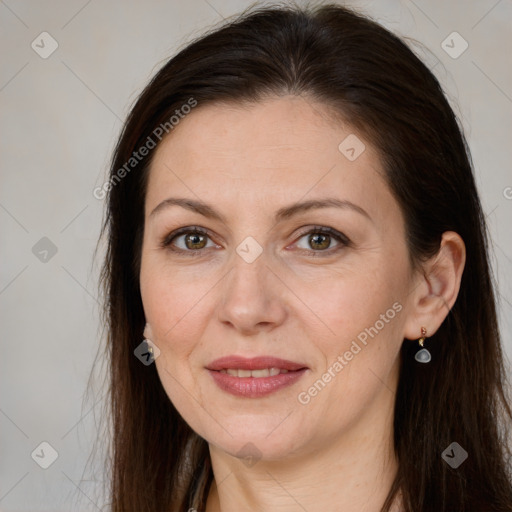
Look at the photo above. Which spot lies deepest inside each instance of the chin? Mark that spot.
(253, 437)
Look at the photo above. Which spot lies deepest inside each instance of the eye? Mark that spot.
(318, 240)
(193, 240)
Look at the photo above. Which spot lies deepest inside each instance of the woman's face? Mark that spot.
(267, 280)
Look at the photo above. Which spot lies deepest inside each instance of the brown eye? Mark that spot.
(319, 241)
(190, 240)
(195, 241)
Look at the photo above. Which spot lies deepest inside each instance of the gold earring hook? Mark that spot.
(423, 336)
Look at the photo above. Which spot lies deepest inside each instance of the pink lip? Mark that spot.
(255, 387)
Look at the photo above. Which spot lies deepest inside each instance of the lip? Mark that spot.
(254, 363)
(255, 387)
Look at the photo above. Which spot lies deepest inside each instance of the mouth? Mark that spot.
(261, 363)
(265, 372)
(255, 377)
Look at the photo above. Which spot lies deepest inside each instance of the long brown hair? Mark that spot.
(375, 82)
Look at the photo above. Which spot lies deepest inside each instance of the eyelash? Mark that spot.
(340, 237)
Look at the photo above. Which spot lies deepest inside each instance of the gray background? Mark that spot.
(60, 118)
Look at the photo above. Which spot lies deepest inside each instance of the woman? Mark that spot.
(300, 309)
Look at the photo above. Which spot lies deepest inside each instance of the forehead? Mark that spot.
(263, 153)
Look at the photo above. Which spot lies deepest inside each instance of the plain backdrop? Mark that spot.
(60, 116)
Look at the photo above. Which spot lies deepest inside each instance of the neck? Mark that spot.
(351, 473)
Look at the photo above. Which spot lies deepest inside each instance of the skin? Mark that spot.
(335, 452)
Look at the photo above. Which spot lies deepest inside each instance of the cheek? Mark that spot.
(359, 337)
(360, 362)
(173, 300)
(340, 307)
(172, 305)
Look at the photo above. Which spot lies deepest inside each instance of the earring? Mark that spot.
(149, 343)
(423, 355)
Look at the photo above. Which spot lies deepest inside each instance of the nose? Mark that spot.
(253, 298)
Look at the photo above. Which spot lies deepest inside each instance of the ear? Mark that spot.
(436, 290)
(148, 333)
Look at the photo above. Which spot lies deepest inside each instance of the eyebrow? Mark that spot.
(283, 213)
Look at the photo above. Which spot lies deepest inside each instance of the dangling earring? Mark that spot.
(423, 355)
